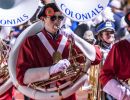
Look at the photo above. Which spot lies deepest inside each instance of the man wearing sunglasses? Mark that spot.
(47, 52)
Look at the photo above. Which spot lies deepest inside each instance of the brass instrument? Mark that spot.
(4, 73)
(125, 83)
(96, 92)
(4, 50)
(70, 75)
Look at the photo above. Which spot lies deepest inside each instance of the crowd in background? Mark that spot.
(114, 12)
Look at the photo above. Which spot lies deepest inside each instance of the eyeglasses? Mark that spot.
(53, 18)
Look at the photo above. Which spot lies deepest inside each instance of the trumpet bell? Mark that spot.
(16, 12)
(87, 9)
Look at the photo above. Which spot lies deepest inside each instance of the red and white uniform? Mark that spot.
(34, 54)
(8, 94)
(116, 66)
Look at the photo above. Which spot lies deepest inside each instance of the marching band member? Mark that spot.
(114, 75)
(105, 37)
(35, 60)
(7, 90)
(4, 31)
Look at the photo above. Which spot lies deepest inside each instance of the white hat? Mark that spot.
(115, 3)
(16, 12)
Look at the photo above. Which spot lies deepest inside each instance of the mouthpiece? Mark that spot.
(57, 27)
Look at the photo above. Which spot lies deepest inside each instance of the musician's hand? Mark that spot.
(117, 89)
(60, 66)
(125, 94)
(67, 32)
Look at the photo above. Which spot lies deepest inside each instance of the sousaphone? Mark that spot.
(68, 88)
(12, 14)
(16, 12)
(5, 81)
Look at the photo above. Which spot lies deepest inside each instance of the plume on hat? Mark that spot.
(106, 15)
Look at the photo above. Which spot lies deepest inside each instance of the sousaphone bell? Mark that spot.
(12, 13)
(88, 51)
(16, 12)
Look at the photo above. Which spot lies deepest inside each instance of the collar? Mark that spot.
(105, 45)
(53, 36)
(128, 38)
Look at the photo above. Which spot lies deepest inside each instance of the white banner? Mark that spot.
(16, 12)
(81, 10)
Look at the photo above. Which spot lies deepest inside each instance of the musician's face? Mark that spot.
(108, 36)
(52, 23)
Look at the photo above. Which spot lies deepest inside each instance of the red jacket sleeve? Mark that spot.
(24, 61)
(108, 71)
(98, 56)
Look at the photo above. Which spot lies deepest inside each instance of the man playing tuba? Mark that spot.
(47, 53)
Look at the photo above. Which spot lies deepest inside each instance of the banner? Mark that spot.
(81, 10)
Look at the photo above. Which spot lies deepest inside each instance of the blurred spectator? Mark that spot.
(80, 30)
(89, 37)
(105, 36)
(118, 14)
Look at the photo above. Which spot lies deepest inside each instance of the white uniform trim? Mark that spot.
(46, 43)
(62, 44)
(128, 38)
(48, 46)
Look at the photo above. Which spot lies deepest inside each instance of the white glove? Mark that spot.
(60, 66)
(116, 90)
(67, 32)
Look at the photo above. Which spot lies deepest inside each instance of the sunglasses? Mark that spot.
(53, 18)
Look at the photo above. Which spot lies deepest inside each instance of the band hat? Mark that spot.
(108, 25)
(48, 10)
(127, 18)
(16, 12)
(115, 4)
